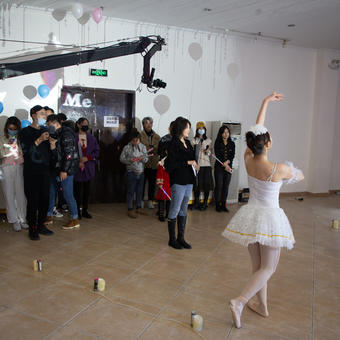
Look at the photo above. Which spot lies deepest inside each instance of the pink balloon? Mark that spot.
(97, 14)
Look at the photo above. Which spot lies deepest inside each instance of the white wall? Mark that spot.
(228, 82)
(335, 166)
(323, 137)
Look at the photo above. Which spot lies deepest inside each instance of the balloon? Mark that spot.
(195, 51)
(233, 70)
(25, 123)
(1, 107)
(43, 91)
(29, 91)
(77, 10)
(49, 78)
(59, 14)
(161, 103)
(97, 14)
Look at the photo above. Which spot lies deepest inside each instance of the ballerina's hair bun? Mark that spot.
(257, 142)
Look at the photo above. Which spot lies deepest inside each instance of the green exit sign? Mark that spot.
(98, 72)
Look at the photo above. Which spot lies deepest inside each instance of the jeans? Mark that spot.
(134, 185)
(222, 181)
(37, 188)
(180, 195)
(67, 187)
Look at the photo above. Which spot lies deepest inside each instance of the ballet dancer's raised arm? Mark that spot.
(274, 97)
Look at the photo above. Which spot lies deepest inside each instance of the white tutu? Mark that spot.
(262, 220)
(268, 226)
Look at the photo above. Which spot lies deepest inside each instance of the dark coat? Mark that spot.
(65, 157)
(224, 152)
(176, 164)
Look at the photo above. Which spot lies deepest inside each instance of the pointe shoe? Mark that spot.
(255, 307)
(236, 310)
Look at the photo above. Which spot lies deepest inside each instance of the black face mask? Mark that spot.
(85, 128)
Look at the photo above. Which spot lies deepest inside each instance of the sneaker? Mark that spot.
(49, 220)
(86, 214)
(44, 231)
(24, 225)
(17, 226)
(131, 214)
(150, 205)
(141, 211)
(33, 233)
(72, 224)
(57, 213)
(64, 207)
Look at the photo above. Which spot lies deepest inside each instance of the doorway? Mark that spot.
(111, 115)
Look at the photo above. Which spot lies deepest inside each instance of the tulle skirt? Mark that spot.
(266, 225)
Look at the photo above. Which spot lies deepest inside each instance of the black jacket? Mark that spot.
(36, 158)
(176, 164)
(224, 152)
(65, 157)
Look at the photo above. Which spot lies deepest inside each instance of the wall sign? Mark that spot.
(98, 72)
(111, 121)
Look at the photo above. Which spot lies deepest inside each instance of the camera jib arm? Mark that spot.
(9, 70)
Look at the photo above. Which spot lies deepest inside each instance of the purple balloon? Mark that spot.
(97, 14)
(49, 78)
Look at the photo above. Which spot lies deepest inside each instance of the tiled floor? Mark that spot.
(152, 289)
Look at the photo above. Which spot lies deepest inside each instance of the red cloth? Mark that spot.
(162, 178)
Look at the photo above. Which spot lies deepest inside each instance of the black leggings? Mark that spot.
(222, 181)
(81, 194)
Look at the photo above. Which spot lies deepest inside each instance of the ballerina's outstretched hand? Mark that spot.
(274, 97)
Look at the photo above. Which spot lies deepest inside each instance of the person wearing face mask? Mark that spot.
(89, 153)
(202, 147)
(65, 162)
(35, 145)
(12, 180)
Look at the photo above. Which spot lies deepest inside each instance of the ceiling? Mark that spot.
(317, 22)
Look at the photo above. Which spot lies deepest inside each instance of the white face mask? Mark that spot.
(201, 131)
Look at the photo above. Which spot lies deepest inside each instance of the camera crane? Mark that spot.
(9, 70)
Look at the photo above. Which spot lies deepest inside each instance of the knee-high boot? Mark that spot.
(172, 234)
(181, 222)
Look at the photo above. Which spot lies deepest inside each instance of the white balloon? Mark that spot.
(77, 10)
(195, 51)
(161, 103)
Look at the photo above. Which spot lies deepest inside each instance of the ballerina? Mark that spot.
(261, 225)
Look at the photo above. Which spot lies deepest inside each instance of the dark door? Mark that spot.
(111, 115)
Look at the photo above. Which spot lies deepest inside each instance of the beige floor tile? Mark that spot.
(14, 286)
(251, 334)
(71, 332)
(15, 326)
(147, 288)
(112, 321)
(170, 328)
(86, 274)
(58, 302)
